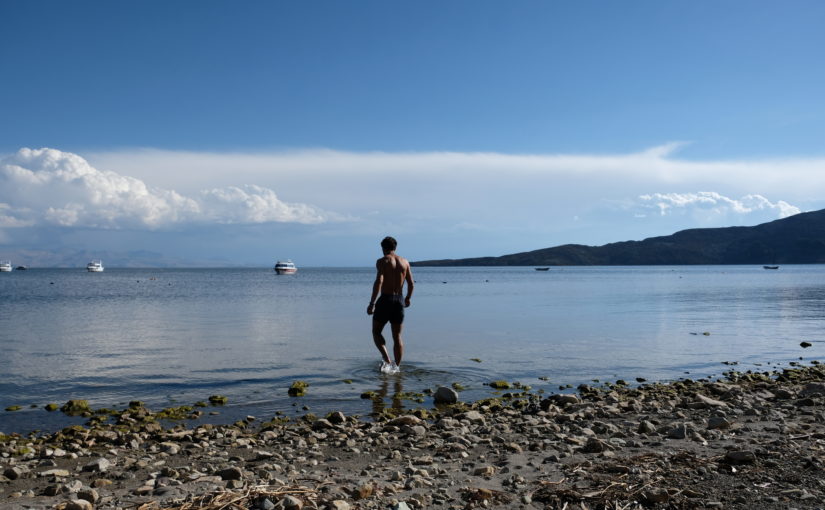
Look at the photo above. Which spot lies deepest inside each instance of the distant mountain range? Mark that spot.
(798, 239)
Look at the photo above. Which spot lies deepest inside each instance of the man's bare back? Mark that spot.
(392, 272)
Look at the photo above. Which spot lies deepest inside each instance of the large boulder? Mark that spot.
(444, 395)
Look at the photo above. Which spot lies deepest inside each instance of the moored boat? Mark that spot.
(5, 266)
(770, 267)
(287, 267)
(542, 269)
(21, 268)
(95, 266)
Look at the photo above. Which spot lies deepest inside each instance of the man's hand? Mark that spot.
(371, 308)
(406, 302)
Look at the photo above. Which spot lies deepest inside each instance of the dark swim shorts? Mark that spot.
(389, 307)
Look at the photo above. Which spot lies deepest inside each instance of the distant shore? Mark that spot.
(751, 440)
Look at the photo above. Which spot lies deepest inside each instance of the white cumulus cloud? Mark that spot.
(713, 202)
(51, 187)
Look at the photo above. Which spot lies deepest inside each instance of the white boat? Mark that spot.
(95, 266)
(5, 266)
(287, 267)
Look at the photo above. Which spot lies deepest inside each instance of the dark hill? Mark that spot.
(798, 239)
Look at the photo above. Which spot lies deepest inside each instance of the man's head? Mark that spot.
(388, 244)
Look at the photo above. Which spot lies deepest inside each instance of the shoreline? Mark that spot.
(752, 439)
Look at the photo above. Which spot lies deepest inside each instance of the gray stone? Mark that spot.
(679, 432)
(444, 395)
(565, 399)
(97, 466)
(55, 472)
(337, 418)
(657, 495)
(234, 484)
(646, 427)
(595, 445)
(231, 473)
(718, 422)
(53, 490)
(322, 424)
(13, 473)
(266, 504)
(170, 447)
(400, 505)
(472, 416)
(484, 471)
(783, 394)
(811, 389)
(74, 486)
(291, 503)
(407, 419)
(740, 457)
(709, 402)
(338, 504)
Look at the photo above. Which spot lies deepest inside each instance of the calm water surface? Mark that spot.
(173, 337)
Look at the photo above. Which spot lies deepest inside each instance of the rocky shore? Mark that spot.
(752, 440)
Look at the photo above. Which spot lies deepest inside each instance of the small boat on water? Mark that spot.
(770, 267)
(287, 267)
(21, 268)
(95, 266)
(5, 266)
(542, 269)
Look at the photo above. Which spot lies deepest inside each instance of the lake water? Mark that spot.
(176, 336)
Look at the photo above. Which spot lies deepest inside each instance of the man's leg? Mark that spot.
(378, 338)
(398, 344)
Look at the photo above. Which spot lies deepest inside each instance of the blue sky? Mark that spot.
(257, 130)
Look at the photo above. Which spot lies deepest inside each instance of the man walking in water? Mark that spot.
(392, 272)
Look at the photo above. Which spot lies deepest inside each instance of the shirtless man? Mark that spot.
(393, 270)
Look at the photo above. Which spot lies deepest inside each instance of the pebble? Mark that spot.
(230, 473)
(89, 495)
(99, 465)
(740, 457)
(79, 504)
(291, 503)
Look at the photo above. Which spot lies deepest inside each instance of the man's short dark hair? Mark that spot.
(388, 244)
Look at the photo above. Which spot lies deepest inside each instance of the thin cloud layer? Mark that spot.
(713, 202)
(51, 187)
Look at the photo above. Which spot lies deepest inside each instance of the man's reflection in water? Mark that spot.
(383, 390)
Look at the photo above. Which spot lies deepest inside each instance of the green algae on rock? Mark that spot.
(218, 400)
(174, 413)
(500, 385)
(298, 389)
(13, 408)
(76, 408)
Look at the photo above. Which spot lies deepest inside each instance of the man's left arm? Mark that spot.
(410, 285)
